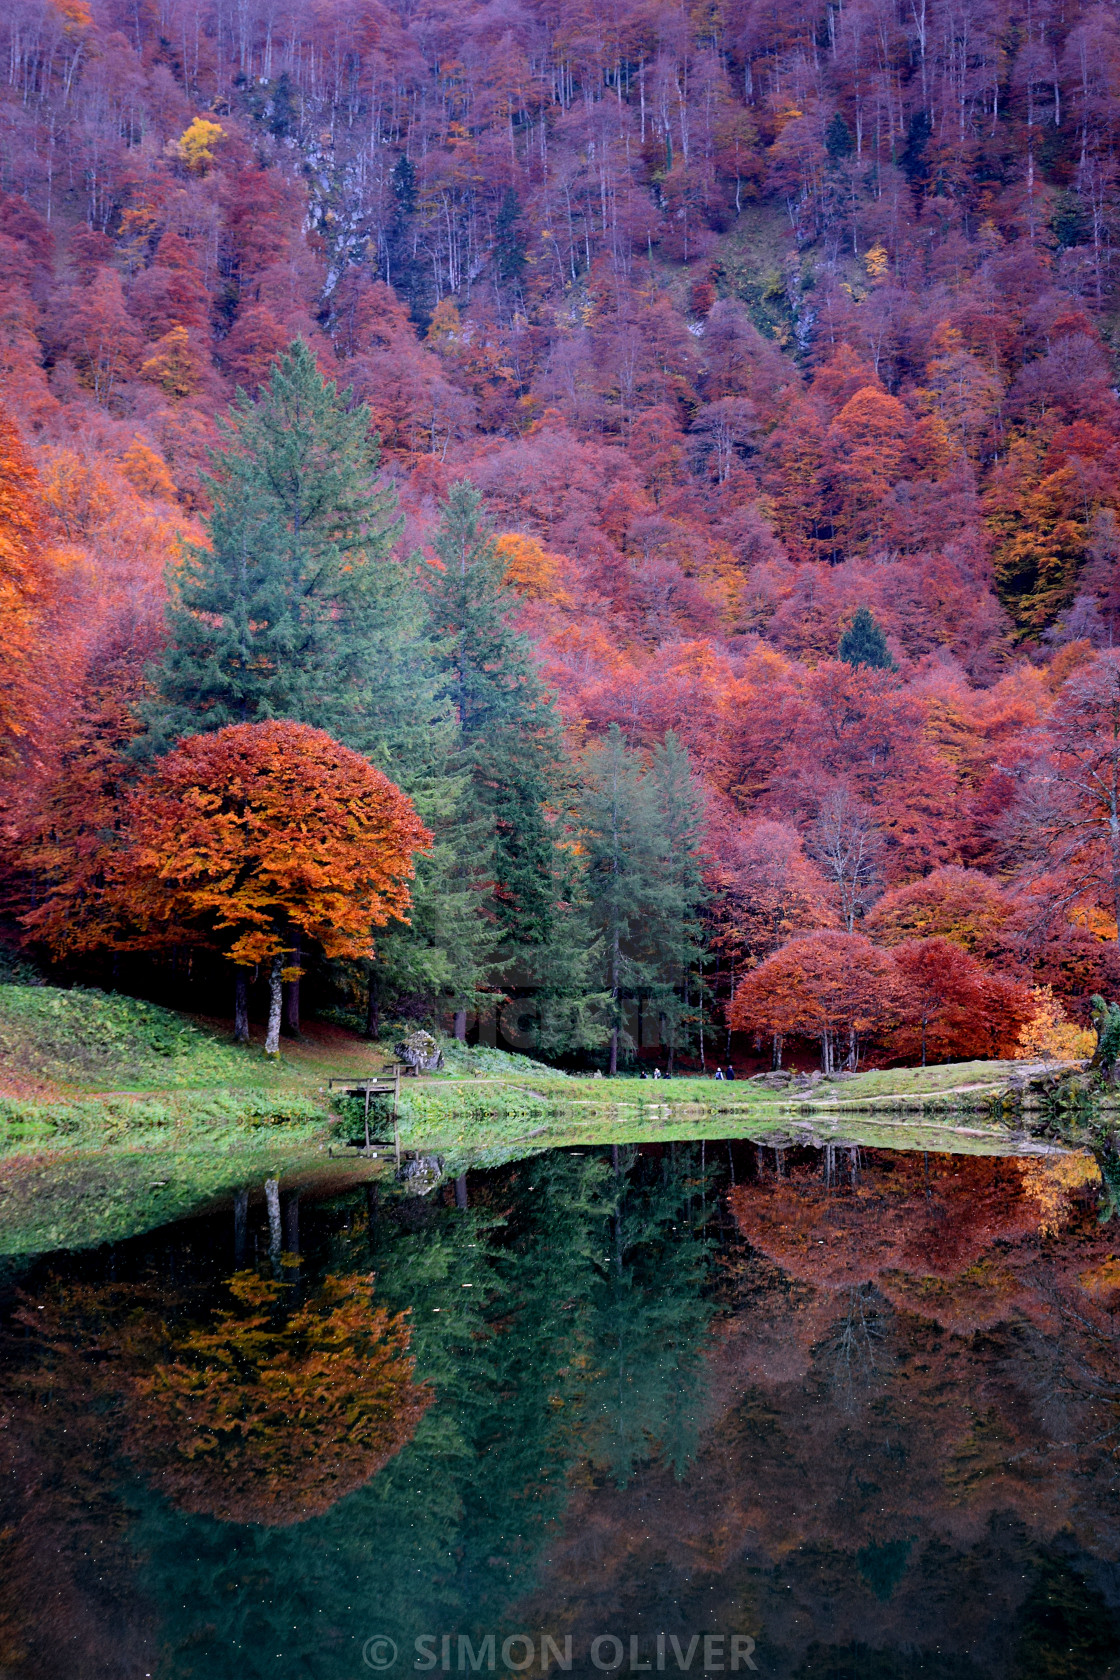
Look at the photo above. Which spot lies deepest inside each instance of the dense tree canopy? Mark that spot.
(742, 380)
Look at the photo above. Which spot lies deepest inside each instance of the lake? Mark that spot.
(698, 1408)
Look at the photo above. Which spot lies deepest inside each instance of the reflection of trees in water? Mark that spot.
(267, 1409)
(878, 1495)
(859, 1346)
(560, 1324)
(1068, 1353)
(276, 1409)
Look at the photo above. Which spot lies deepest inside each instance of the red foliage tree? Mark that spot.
(23, 581)
(949, 1008)
(829, 986)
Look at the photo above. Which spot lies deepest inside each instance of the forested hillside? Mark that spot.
(676, 447)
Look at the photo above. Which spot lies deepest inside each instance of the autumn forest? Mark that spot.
(591, 527)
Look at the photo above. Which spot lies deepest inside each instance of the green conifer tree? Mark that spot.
(863, 643)
(678, 931)
(509, 729)
(269, 619)
(295, 610)
(639, 833)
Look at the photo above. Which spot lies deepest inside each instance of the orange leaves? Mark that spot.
(816, 986)
(243, 836)
(963, 905)
(23, 581)
(147, 472)
(531, 569)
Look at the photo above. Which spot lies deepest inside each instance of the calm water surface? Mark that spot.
(677, 1409)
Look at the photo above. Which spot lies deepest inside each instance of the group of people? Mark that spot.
(721, 1073)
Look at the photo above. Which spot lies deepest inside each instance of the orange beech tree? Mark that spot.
(257, 834)
(963, 905)
(826, 986)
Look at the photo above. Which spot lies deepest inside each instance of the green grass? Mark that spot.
(84, 1068)
(98, 1039)
(117, 1116)
(928, 1081)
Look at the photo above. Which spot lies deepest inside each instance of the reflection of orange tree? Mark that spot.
(923, 1229)
(271, 1415)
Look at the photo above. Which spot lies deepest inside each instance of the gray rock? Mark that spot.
(419, 1050)
(421, 1174)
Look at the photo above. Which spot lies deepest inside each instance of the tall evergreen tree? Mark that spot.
(269, 619)
(639, 832)
(407, 726)
(679, 806)
(509, 729)
(295, 610)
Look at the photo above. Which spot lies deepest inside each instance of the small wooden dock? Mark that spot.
(384, 1084)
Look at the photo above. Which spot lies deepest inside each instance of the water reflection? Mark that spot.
(863, 1407)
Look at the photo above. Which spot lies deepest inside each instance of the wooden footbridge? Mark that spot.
(387, 1083)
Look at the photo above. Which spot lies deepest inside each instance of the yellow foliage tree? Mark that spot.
(174, 365)
(1052, 1181)
(147, 472)
(531, 569)
(1050, 1034)
(195, 147)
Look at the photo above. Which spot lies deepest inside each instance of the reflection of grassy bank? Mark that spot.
(79, 1065)
(81, 1197)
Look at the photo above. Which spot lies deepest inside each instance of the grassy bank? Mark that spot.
(117, 1116)
(81, 1065)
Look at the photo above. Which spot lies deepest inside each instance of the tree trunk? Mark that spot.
(291, 1222)
(462, 1199)
(240, 1226)
(291, 996)
(272, 1202)
(373, 1004)
(461, 1025)
(615, 998)
(275, 998)
(241, 1006)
